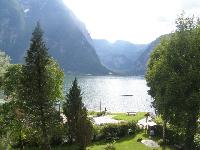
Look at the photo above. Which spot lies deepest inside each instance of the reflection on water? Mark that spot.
(109, 90)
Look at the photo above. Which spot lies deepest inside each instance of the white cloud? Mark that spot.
(138, 21)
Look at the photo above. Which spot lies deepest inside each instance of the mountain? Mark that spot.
(140, 65)
(119, 56)
(67, 38)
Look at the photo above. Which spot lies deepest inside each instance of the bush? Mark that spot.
(32, 137)
(115, 131)
(97, 134)
(99, 114)
(58, 133)
(139, 139)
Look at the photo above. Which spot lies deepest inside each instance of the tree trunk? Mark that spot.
(164, 134)
(45, 144)
(45, 140)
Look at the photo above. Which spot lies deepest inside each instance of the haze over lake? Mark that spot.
(109, 90)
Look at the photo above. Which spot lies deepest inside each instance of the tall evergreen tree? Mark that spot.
(79, 126)
(41, 86)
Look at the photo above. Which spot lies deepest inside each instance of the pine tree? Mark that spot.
(79, 126)
(41, 86)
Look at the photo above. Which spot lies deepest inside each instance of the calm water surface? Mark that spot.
(108, 91)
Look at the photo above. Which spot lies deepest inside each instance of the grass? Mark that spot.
(123, 116)
(131, 118)
(126, 143)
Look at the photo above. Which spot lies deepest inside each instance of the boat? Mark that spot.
(127, 95)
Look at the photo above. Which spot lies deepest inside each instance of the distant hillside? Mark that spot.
(141, 63)
(67, 38)
(119, 56)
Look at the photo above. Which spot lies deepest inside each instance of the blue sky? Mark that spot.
(137, 21)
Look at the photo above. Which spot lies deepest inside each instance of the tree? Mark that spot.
(13, 108)
(157, 78)
(12, 80)
(79, 126)
(84, 130)
(12, 120)
(4, 63)
(42, 86)
(174, 78)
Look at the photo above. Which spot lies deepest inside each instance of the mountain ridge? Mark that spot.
(118, 56)
(67, 38)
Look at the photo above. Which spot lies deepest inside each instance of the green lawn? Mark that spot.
(125, 117)
(127, 143)
(122, 116)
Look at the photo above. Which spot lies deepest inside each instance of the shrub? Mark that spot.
(58, 133)
(115, 131)
(101, 113)
(139, 139)
(93, 113)
(97, 134)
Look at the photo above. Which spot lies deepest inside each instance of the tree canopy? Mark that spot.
(79, 126)
(42, 86)
(173, 76)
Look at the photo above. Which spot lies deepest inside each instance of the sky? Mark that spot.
(136, 21)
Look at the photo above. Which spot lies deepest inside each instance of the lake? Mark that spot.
(110, 91)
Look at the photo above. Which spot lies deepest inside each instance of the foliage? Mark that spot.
(58, 134)
(12, 128)
(79, 126)
(12, 81)
(13, 111)
(125, 143)
(4, 63)
(41, 87)
(115, 131)
(197, 141)
(173, 136)
(92, 113)
(20, 130)
(174, 78)
(101, 113)
(158, 120)
(84, 132)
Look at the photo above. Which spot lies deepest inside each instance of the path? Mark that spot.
(150, 143)
(105, 120)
